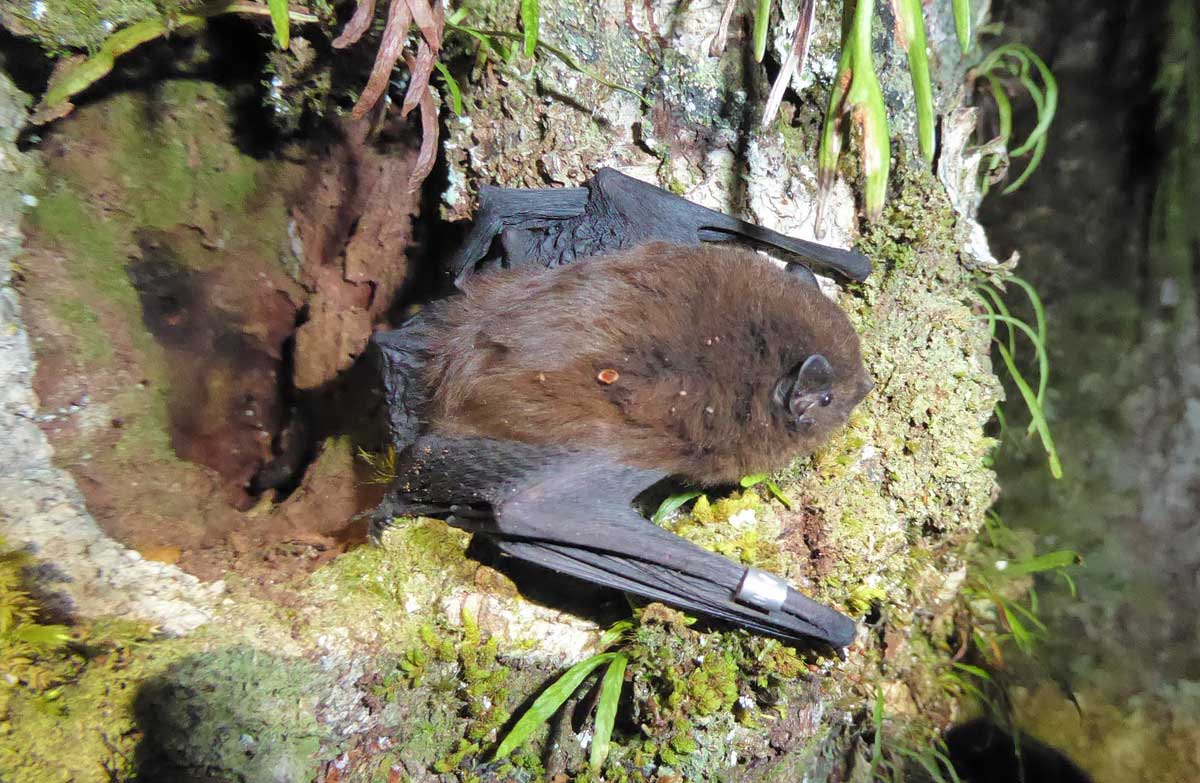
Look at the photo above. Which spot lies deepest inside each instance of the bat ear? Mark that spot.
(816, 373)
(803, 274)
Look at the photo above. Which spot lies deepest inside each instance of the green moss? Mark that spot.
(917, 220)
(147, 162)
(83, 322)
(697, 696)
(94, 246)
(416, 556)
(67, 706)
(741, 527)
(173, 172)
(239, 712)
(33, 654)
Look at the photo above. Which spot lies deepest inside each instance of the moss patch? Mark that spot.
(237, 712)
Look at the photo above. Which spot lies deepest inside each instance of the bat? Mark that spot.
(607, 344)
(983, 752)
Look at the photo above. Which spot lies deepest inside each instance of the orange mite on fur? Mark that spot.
(608, 376)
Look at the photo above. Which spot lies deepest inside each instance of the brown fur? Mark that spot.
(698, 337)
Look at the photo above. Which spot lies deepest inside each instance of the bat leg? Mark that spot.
(393, 508)
(503, 209)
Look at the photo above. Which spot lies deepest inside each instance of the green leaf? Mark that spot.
(856, 98)
(1047, 562)
(94, 68)
(877, 744)
(755, 479)
(673, 504)
(1039, 423)
(1070, 584)
(911, 22)
(606, 710)
(974, 670)
(762, 16)
(962, 23)
(456, 102)
(615, 632)
(529, 22)
(1003, 107)
(544, 707)
(279, 20)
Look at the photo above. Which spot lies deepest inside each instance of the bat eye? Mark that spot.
(826, 398)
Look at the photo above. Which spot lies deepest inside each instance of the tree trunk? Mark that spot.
(402, 662)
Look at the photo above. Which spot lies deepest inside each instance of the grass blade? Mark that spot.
(279, 21)
(877, 744)
(1035, 410)
(962, 23)
(606, 710)
(614, 632)
(529, 23)
(673, 504)
(1034, 160)
(1039, 347)
(755, 479)
(1003, 107)
(973, 670)
(911, 24)
(456, 101)
(544, 707)
(1048, 107)
(1047, 562)
(762, 15)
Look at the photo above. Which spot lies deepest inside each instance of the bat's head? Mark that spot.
(813, 398)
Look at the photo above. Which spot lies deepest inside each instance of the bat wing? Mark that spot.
(571, 511)
(555, 226)
(400, 354)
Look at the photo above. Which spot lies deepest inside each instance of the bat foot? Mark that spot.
(378, 524)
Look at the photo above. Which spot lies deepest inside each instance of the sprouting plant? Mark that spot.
(672, 504)
(857, 97)
(762, 478)
(996, 312)
(551, 699)
(1020, 622)
(856, 94)
(1003, 69)
(1004, 559)
(892, 752)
